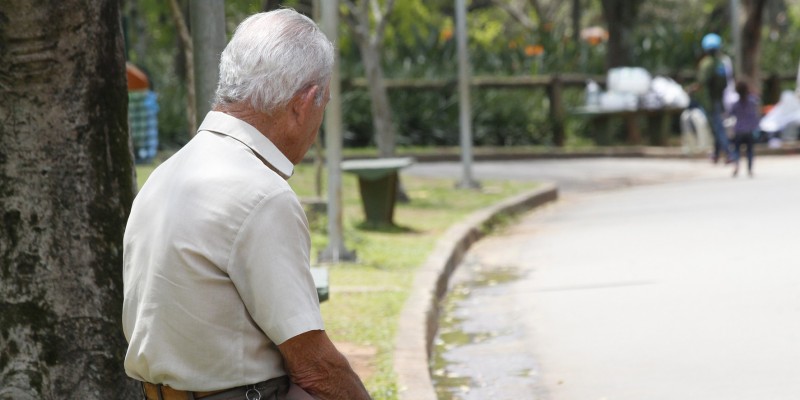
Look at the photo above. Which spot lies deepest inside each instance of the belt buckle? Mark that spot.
(252, 393)
(159, 394)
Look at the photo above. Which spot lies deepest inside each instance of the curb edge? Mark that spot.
(419, 318)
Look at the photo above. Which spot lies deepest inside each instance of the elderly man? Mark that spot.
(219, 299)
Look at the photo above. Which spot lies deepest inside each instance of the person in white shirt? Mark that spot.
(219, 302)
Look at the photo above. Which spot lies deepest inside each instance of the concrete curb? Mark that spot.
(419, 319)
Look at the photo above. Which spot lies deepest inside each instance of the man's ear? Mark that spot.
(303, 103)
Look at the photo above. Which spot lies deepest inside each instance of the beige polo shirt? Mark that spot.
(216, 263)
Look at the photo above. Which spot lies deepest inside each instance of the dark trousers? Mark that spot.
(721, 144)
(747, 140)
(274, 389)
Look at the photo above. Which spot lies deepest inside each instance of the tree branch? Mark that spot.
(358, 22)
(516, 13)
(380, 28)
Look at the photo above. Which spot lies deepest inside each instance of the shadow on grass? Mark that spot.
(384, 228)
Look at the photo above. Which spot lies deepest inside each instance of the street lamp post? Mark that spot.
(465, 111)
(336, 251)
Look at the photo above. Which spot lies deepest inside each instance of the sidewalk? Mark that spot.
(682, 290)
(412, 355)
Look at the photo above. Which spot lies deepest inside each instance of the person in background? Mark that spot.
(219, 301)
(746, 129)
(714, 72)
(142, 115)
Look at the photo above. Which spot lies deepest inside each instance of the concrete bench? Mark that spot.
(377, 182)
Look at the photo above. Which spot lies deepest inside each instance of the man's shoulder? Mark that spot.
(224, 124)
(219, 168)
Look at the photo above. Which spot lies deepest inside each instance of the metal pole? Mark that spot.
(208, 39)
(736, 37)
(336, 250)
(465, 111)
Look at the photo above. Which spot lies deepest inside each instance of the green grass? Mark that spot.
(367, 295)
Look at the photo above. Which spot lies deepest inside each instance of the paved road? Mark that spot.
(688, 289)
(574, 175)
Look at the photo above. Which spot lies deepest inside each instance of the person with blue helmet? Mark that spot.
(715, 72)
(711, 41)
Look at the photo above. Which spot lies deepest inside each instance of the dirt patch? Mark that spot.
(361, 358)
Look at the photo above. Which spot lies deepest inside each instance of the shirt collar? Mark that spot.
(224, 124)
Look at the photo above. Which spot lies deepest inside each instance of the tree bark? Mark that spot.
(620, 16)
(66, 186)
(751, 42)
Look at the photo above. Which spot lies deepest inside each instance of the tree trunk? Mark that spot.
(66, 185)
(379, 96)
(188, 55)
(751, 42)
(369, 39)
(577, 13)
(620, 16)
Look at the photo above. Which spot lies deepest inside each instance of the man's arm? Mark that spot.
(319, 368)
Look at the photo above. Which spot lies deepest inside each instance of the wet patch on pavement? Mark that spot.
(487, 331)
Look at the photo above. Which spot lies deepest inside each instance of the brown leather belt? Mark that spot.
(153, 391)
(161, 392)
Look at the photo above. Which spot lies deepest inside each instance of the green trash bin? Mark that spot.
(377, 182)
(320, 275)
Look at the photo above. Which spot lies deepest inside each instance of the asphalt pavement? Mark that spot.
(648, 279)
(572, 175)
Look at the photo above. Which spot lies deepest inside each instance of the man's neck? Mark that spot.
(271, 125)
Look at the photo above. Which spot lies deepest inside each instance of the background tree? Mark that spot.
(419, 44)
(66, 185)
(304, 7)
(620, 16)
(751, 41)
(187, 50)
(367, 20)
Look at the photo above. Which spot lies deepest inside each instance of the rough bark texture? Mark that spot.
(751, 42)
(620, 16)
(66, 185)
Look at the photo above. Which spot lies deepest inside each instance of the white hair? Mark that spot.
(271, 57)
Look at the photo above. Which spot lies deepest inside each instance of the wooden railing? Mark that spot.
(553, 84)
